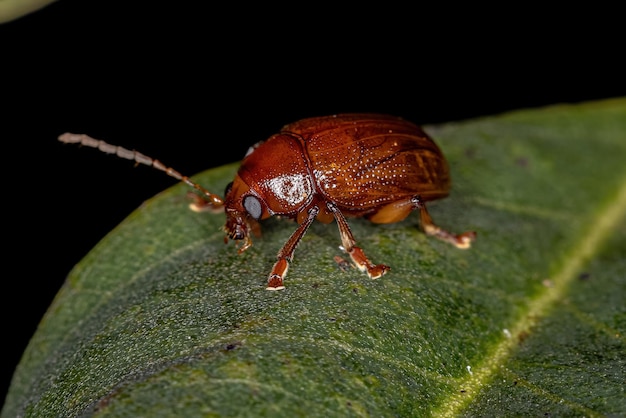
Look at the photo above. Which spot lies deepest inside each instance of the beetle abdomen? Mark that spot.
(363, 162)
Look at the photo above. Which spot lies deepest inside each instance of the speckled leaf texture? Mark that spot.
(162, 319)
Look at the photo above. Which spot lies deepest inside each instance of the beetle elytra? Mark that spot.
(375, 166)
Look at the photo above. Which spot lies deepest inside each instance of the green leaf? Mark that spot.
(162, 319)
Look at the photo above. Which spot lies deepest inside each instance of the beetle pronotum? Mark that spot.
(379, 167)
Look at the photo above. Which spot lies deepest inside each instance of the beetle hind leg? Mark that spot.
(357, 255)
(462, 241)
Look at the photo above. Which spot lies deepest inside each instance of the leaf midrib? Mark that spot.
(591, 242)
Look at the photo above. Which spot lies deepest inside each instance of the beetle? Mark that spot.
(375, 166)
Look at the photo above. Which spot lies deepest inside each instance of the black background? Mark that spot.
(195, 85)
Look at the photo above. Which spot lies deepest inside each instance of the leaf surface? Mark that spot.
(162, 319)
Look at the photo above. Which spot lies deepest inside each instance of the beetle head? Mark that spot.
(243, 209)
(272, 179)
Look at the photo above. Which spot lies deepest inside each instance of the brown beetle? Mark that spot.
(374, 166)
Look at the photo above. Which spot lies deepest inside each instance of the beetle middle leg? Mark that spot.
(462, 241)
(348, 242)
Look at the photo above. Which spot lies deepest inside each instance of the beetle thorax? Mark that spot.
(278, 176)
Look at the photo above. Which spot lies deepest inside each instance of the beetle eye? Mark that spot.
(228, 187)
(252, 206)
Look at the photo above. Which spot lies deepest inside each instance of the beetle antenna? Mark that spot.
(81, 139)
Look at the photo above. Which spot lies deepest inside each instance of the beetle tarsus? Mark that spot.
(374, 271)
(377, 271)
(199, 204)
(275, 281)
(462, 241)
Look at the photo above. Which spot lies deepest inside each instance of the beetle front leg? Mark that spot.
(202, 204)
(462, 241)
(285, 255)
(348, 242)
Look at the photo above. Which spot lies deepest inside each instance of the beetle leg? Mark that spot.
(285, 255)
(348, 242)
(201, 204)
(462, 241)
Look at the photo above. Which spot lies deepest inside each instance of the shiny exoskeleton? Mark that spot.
(379, 167)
